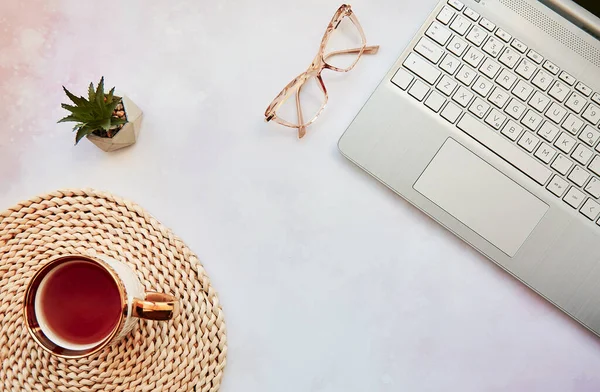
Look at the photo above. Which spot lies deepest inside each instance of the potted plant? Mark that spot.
(109, 121)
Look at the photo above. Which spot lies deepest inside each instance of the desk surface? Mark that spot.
(328, 280)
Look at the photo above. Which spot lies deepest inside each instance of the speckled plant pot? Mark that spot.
(127, 135)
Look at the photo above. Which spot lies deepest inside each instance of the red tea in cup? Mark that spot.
(78, 304)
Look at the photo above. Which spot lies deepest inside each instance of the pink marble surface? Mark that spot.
(329, 282)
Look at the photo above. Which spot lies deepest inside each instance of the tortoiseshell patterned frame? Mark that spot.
(316, 68)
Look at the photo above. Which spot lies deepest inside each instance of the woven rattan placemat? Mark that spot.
(186, 354)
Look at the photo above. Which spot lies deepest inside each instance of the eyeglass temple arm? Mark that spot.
(368, 50)
(302, 128)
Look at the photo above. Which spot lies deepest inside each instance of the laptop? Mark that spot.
(488, 123)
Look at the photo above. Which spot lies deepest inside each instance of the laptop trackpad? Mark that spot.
(481, 197)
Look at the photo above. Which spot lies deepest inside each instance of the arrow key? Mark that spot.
(591, 209)
(558, 186)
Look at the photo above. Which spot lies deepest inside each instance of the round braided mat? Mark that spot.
(187, 354)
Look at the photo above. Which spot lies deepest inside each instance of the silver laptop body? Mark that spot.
(488, 123)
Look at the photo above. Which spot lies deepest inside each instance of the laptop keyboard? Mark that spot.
(506, 96)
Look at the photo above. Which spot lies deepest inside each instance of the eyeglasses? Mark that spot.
(342, 46)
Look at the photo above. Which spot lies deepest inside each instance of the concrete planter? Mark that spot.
(127, 135)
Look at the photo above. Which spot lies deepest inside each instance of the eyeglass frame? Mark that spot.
(316, 68)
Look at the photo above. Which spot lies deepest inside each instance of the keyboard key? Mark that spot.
(535, 56)
(583, 89)
(592, 114)
(515, 109)
(435, 101)
(506, 79)
(520, 46)
(542, 80)
(499, 97)
(505, 149)
(402, 79)
(451, 112)
(462, 97)
(550, 66)
(548, 131)
(445, 15)
(565, 143)
(438, 33)
(422, 68)
(509, 57)
(529, 141)
(418, 90)
(487, 24)
(579, 176)
(574, 198)
(575, 102)
(457, 45)
(559, 91)
(479, 107)
(471, 14)
(450, 64)
(567, 78)
(557, 186)
(596, 98)
(582, 154)
(593, 187)
(531, 120)
(477, 35)
(489, 68)
(556, 113)
(545, 153)
(512, 130)
(456, 4)
(429, 50)
(460, 25)
(473, 57)
(522, 90)
(591, 209)
(495, 119)
(595, 165)
(562, 164)
(482, 86)
(539, 101)
(572, 124)
(525, 68)
(589, 136)
(493, 47)
(503, 35)
(466, 75)
(446, 85)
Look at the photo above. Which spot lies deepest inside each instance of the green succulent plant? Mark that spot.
(94, 113)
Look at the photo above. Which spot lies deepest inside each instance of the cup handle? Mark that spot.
(156, 306)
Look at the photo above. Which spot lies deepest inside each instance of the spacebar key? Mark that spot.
(504, 149)
(422, 68)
